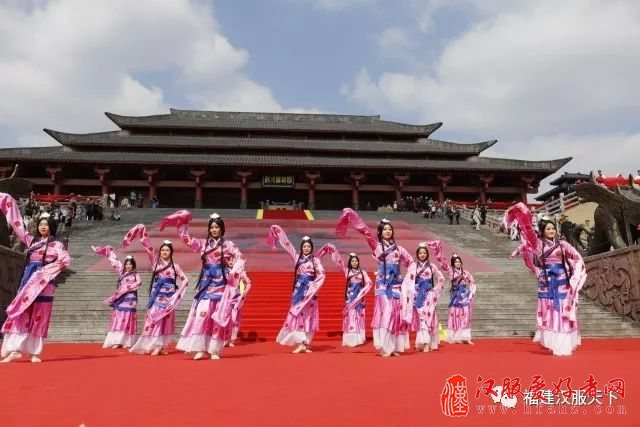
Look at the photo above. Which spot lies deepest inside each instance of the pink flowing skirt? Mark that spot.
(123, 321)
(301, 328)
(201, 333)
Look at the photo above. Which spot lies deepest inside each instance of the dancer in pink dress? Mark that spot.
(358, 285)
(303, 318)
(29, 314)
(238, 303)
(463, 291)
(427, 282)
(560, 272)
(164, 295)
(209, 323)
(124, 301)
(393, 310)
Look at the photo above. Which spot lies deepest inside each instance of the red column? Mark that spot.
(527, 182)
(150, 173)
(485, 180)
(197, 178)
(244, 183)
(102, 173)
(54, 175)
(312, 177)
(355, 190)
(444, 180)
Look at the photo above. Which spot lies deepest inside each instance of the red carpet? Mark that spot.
(262, 384)
(284, 214)
(269, 300)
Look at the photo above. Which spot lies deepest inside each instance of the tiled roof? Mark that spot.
(67, 155)
(570, 178)
(121, 139)
(223, 120)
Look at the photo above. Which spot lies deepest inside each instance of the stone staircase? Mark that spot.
(505, 303)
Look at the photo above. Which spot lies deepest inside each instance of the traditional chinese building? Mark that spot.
(564, 184)
(230, 160)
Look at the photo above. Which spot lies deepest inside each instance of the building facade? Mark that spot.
(238, 160)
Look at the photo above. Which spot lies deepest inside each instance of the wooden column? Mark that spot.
(150, 174)
(5, 171)
(444, 180)
(527, 181)
(485, 180)
(312, 177)
(355, 190)
(244, 183)
(400, 180)
(54, 175)
(104, 185)
(197, 175)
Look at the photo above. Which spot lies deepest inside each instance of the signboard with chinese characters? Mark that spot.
(278, 181)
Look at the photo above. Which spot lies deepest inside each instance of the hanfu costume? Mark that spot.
(561, 273)
(303, 317)
(237, 304)
(392, 311)
(124, 302)
(463, 290)
(29, 314)
(353, 316)
(427, 282)
(168, 286)
(209, 323)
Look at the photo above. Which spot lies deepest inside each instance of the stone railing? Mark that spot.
(614, 281)
(11, 265)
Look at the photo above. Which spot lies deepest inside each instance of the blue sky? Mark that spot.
(547, 79)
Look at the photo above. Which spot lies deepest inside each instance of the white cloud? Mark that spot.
(337, 5)
(395, 42)
(555, 75)
(64, 62)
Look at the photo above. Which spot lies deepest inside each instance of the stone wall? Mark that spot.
(614, 281)
(11, 265)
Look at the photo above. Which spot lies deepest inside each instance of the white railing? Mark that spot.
(561, 204)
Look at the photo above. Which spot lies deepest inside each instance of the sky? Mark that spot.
(548, 79)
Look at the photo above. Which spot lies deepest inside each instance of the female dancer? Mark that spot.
(29, 313)
(561, 273)
(392, 311)
(463, 289)
(358, 285)
(303, 318)
(124, 301)
(422, 274)
(209, 324)
(238, 302)
(164, 295)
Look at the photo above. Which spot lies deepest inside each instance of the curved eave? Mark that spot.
(117, 140)
(156, 122)
(61, 155)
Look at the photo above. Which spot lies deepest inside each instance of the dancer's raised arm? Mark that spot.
(109, 253)
(140, 232)
(181, 219)
(277, 234)
(522, 214)
(9, 207)
(349, 217)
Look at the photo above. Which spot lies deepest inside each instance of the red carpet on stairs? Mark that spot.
(283, 214)
(263, 384)
(268, 302)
